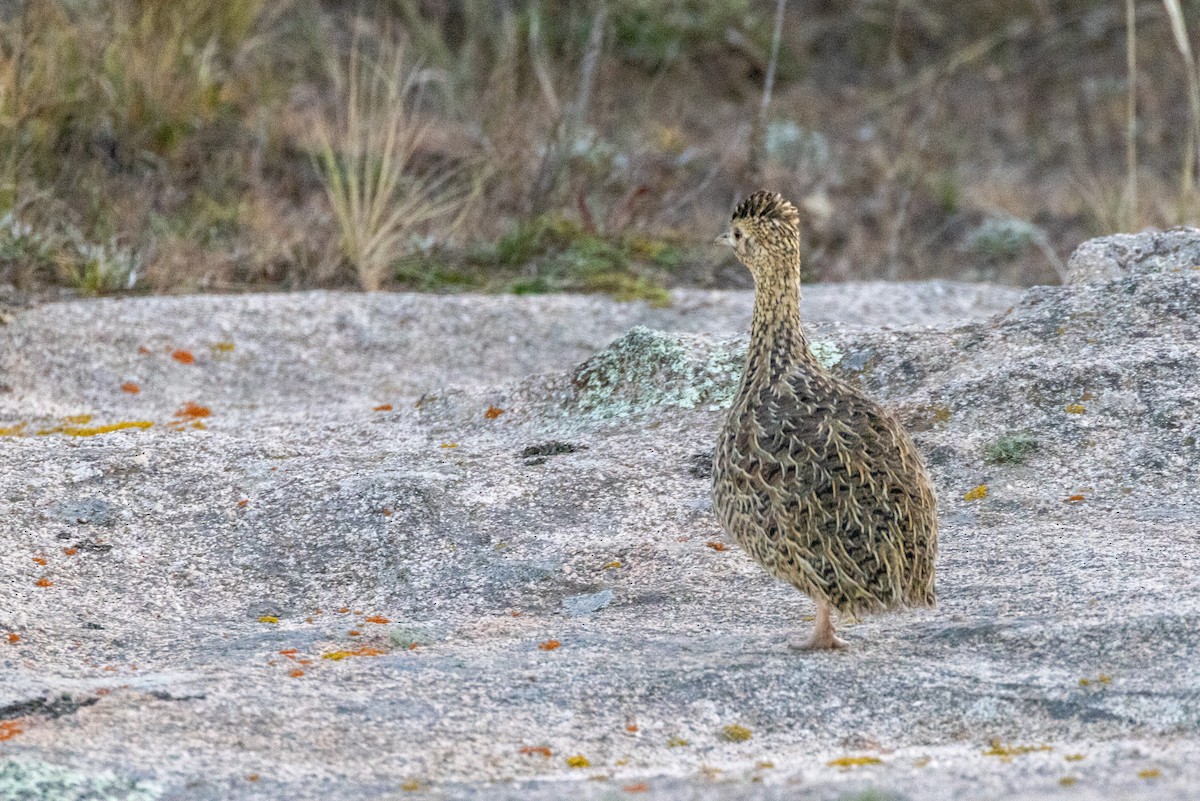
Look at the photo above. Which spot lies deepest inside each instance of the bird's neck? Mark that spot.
(777, 341)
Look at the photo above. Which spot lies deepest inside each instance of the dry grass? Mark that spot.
(211, 146)
(381, 199)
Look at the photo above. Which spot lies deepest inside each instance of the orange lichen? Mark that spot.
(383, 407)
(631, 728)
(11, 728)
(183, 356)
(295, 674)
(853, 762)
(192, 411)
(539, 750)
(40, 560)
(976, 493)
(365, 650)
(578, 761)
(142, 349)
(253, 777)
(549, 645)
(73, 431)
(243, 503)
(131, 388)
(14, 637)
(355, 632)
(344, 610)
(515, 613)
(640, 787)
(493, 412)
(70, 551)
(380, 619)
(387, 512)
(717, 546)
(290, 653)
(1074, 498)
(44, 582)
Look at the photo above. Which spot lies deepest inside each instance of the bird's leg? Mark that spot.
(823, 638)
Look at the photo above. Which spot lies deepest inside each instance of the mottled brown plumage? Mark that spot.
(817, 482)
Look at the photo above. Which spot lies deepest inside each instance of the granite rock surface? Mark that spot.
(380, 547)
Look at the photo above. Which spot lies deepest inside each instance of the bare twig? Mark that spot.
(1131, 183)
(1183, 44)
(758, 131)
(572, 119)
(538, 58)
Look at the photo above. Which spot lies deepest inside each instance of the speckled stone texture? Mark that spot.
(510, 585)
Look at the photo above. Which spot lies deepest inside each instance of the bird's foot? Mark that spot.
(829, 642)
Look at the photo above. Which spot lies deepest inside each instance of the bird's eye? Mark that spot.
(737, 233)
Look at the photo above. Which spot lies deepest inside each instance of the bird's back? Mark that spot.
(826, 490)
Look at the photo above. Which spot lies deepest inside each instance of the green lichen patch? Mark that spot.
(1010, 449)
(35, 780)
(646, 369)
(827, 353)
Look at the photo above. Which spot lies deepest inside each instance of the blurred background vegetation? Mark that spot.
(582, 145)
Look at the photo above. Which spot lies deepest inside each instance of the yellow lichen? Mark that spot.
(1103, 678)
(13, 431)
(268, 619)
(735, 733)
(853, 762)
(78, 419)
(1151, 773)
(366, 650)
(1067, 781)
(677, 742)
(411, 786)
(1076, 408)
(223, 347)
(612, 565)
(1074, 757)
(1007, 751)
(77, 431)
(578, 761)
(976, 493)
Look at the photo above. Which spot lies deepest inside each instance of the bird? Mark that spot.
(818, 483)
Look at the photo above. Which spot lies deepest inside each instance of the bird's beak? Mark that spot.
(723, 239)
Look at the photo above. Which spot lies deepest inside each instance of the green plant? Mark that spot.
(97, 269)
(379, 197)
(1010, 449)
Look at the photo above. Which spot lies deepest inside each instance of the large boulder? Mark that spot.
(506, 585)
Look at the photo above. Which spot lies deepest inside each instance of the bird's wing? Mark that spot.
(847, 488)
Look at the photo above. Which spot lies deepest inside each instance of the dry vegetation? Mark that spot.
(589, 145)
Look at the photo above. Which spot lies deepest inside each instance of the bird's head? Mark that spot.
(765, 234)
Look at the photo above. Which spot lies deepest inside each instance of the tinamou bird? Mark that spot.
(818, 483)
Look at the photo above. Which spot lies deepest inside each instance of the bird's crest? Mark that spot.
(764, 205)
